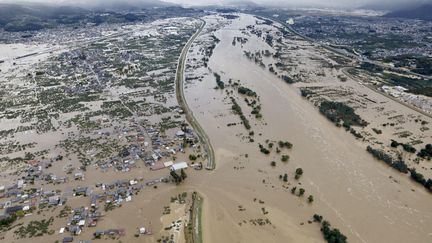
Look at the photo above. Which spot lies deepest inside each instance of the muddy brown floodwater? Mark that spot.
(352, 190)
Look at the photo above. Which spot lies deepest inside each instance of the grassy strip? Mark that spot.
(193, 232)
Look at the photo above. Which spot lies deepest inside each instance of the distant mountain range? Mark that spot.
(423, 12)
(15, 17)
(30, 17)
(118, 5)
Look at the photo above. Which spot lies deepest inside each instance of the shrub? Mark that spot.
(332, 235)
(317, 218)
(246, 91)
(301, 192)
(298, 173)
(338, 112)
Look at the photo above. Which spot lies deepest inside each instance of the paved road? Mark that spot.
(202, 136)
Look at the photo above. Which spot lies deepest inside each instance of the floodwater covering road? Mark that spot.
(362, 197)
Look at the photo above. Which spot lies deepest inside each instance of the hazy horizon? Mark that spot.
(285, 3)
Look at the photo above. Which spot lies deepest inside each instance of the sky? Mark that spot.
(346, 3)
(311, 3)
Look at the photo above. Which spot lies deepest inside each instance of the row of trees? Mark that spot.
(246, 91)
(381, 155)
(330, 235)
(419, 178)
(401, 166)
(237, 109)
(219, 82)
(178, 178)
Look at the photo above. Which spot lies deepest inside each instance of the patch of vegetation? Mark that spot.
(381, 155)
(219, 82)
(306, 92)
(7, 222)
(317, 218)
(338, 112)
(407, 147)
(238, 110)
(263, 149)
(371, 67)
(419, 178)
(426, 152)
(377, 131)
(178, 178)
(230, 16)
(423, 65)
(246, 91)
(285, 144)
(116, 109)
(332, 235)
(35, 228)
(355, 133)
(298, 173)
(416, 86)
(301, 192)
(287, 79)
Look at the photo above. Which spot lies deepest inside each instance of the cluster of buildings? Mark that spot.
(407, 36)
(422, 102)
(110, 98)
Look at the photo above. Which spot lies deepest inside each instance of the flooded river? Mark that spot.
(353, 191)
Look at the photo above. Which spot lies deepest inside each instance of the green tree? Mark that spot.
(183, 174)
(176, 177)
(301, 192)
(298, 173)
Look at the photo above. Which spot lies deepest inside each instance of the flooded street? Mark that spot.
(353, 191)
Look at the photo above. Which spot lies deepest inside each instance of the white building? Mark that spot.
(179, 166)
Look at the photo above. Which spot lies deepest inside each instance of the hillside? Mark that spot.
(423, 12)
(14, 17)
(33, 17)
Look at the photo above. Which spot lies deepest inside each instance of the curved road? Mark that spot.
(202, 136)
